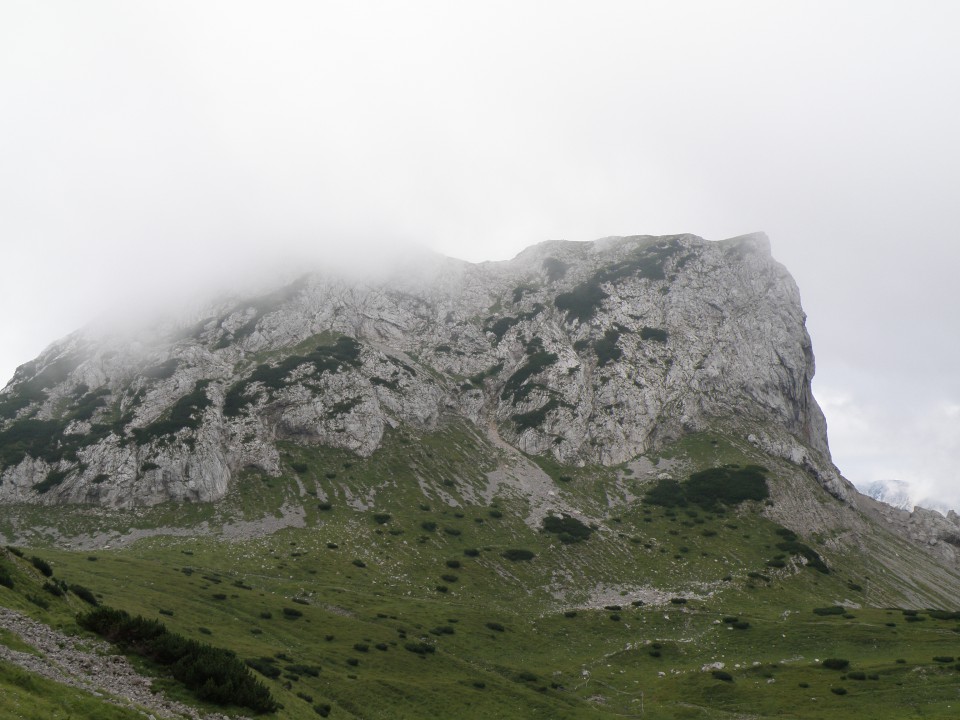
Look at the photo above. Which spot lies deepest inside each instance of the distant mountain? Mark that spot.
(895, 493)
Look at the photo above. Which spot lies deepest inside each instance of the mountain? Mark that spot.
(585, 481)
(895, 493)
(585, 352)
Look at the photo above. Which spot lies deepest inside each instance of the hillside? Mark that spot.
(588, 482)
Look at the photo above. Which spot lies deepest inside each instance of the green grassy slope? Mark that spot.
(389, 595)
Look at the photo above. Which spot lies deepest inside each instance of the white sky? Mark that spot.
(145, 146)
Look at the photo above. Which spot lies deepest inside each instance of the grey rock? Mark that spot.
(591, 352)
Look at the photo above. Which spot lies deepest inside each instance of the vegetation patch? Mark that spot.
(568, 529)
(606, 348)
(187, 412)
(727, 485)
(345, 352)
(212, 674)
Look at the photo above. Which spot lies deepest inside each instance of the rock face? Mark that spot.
(591, 352)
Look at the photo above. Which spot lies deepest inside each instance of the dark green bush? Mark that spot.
(722, 675)
(264, 666)
(656, 334)
(42, 565)
(726, 485)
(6, 580)
(420, 648)
(518, 554)
(212, 674)
(311, 670)
(607, 349)
(495, 626)
(568, 529)
(381, 518)
(943, 658)
(322, 710)
(535, 364)
(838, 691)
(831, 610)
(85, 594)
(835, 663)
(187, 412)
(536, 417)
(428, 525)
(292, 613)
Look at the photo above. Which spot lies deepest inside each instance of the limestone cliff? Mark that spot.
(592, 352)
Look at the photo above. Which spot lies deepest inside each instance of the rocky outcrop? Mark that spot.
(592, 352)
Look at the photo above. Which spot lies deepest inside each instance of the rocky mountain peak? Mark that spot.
(586, 352)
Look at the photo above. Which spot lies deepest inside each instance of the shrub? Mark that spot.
(495, 626)
(453, 564)
(359, 563)
(518, 554)
(943, 658)
(325, 506)
(264, 666)
(656, 334)
(429, 525)
(740, 625)
(722, 675)
(53, 588)
(86, 595)
(835, 663)
(419, 648)
(606, 348)
(42, 565)
(442, 630)
(292, 613)
(311, 670)
(831, 610)
(361, 647)
(838, 691)
(322, 710)
(5, 579)
(447, 577)
(471, 552)
(381, 518)
(857, 675)
(442, 588)
(726, 485)
(537, 362)
(212, 674)
(568, 529)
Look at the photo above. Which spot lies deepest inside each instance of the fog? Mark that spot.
(151, 151)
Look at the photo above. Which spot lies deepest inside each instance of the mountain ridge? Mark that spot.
(461, 320)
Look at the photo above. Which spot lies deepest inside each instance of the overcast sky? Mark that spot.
(148, 145)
